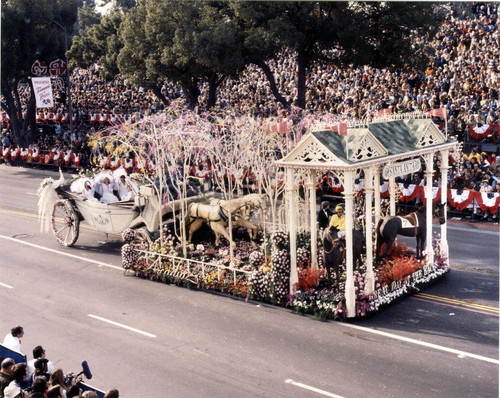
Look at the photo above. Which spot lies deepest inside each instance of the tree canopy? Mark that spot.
(30, 31)
(191, 43)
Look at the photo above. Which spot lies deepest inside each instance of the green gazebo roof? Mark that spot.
(374, 143)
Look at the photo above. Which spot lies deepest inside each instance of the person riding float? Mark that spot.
(338, 221)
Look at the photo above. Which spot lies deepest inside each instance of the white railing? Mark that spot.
(185, 266)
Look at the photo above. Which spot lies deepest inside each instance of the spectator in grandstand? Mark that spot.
(13, 340)
(6, 374)
(113, 393)
(39, 387)
(19, 373)
(39, 353)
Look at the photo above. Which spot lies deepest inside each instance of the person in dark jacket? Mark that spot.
(324, 215)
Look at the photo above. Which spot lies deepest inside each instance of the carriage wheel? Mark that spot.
(143, 238)
(65, 223)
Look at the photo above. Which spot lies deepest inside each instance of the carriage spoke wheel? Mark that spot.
(143, 238)
(65, 223)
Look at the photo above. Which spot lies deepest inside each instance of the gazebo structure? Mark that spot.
(390, 148)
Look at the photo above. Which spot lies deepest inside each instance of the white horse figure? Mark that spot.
(217, 216)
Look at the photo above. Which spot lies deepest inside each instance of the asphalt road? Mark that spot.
(153, 340)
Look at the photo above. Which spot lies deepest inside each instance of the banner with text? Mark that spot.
(43, 92)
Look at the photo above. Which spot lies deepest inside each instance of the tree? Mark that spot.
(380, 34)
(184, 42)
(30, 31)
(98, 43)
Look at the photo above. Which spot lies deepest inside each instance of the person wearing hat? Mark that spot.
(324, 215)
(338, 221)
(41, 369)
(6, 374)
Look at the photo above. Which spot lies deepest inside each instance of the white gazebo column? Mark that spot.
(392, 196)
(350, 296)
(311, 187)
(292, 225)
(370, 277)
(444, 199)
(429, 171)
(378, 200)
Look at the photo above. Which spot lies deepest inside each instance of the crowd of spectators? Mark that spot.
(462, 78)
(38, 378)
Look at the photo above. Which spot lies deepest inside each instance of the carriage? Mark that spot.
(62, 211)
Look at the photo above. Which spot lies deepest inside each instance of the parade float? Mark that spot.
(269, 249)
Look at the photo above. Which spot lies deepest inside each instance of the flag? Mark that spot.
(43, 92)
(440, 112)
(340, 128)
(283, 127)
(384, 112)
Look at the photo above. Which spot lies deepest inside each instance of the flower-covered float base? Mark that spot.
(263, 274)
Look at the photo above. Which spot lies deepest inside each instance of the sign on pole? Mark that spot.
(43, 92)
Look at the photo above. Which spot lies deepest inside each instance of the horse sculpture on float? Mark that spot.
(241, 217)
(334, 251)
(413, 224)
(217, 216)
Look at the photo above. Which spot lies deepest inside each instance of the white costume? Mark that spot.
(13, 343)
(107, 194)
(126, 190)
(88, 194)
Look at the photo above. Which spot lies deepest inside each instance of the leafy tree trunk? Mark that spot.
(213, 83)
(157, 91)
(22, 128)
(272, 82)
(302, 62)
(192, 93)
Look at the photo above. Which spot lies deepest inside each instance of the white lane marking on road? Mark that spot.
(305, 386)
(62, 253)
(31, 193)
(460, 354)
(201, 352)
(7, 286)
(122, 325)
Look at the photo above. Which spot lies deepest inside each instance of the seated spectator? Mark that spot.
(19, 373)
(13, 340)
(57, 378)
(73, 391)
(113, 393)
(39, 353)
(6, 374)
(39, 387)
(55, 391)
(40, 369)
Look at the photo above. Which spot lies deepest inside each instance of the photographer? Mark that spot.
(57, 378)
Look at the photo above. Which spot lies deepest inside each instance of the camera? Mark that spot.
(68, 378)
